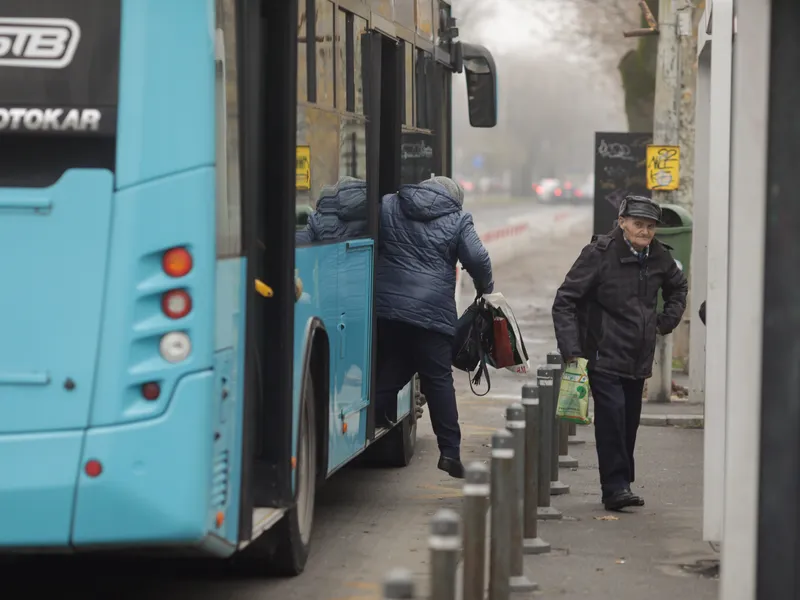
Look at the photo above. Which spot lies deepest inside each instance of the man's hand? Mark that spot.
(570, 359)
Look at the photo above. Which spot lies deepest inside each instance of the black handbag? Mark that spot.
(473, 342)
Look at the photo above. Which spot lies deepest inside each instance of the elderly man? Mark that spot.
(423, 232)
(605, 311)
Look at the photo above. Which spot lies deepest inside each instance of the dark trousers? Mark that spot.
(404, 350)
(617, 411)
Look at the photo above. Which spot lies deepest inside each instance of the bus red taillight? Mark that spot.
(177, 262)
(93, 468)
(176, 304)
(151, 391)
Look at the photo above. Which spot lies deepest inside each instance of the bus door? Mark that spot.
(383, 57)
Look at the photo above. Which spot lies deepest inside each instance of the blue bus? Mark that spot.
(176, 374)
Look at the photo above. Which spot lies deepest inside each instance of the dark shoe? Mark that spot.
(451, 466)
(639, 499)
(383, 420)
(621, 499)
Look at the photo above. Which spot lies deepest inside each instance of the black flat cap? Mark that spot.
(640, 206)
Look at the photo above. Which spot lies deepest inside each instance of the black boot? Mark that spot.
(639, 499)
(451, 466)
(383, 419)
(621, 499)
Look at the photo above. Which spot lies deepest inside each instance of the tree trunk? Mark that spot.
(638, 71)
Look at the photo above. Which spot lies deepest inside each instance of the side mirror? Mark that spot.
(481, 75)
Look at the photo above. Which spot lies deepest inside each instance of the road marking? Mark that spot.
(363, 585)
(371, 591)
(442, 496)
(480, 428)
(438, 491)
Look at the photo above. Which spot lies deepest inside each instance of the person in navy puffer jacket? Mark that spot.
(423, 232)
(341, 213)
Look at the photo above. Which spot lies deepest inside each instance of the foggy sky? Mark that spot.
(558, 84)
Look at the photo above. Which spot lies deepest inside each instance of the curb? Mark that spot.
(682, 421)
(647, 420)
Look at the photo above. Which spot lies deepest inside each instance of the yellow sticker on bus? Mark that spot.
(303, 168)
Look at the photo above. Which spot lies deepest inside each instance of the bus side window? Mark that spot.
(424, 86)
(340, 51)
(228, 195)
(408, 114)
(303, 45)
(359, 30)
(324, 51)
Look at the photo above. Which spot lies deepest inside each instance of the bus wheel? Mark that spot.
(294, 530)
(283, 551)
(396, 448)
(401, 442)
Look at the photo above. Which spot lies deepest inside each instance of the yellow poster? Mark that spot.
(663, 167)
(303, 168)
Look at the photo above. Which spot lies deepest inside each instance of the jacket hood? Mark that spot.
(348, 201)
(427, 201)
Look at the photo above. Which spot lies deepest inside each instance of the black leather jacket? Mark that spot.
(605, 311)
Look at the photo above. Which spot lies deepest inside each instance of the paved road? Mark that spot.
(496, 213)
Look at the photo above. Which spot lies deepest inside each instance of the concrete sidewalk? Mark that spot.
(655, 552)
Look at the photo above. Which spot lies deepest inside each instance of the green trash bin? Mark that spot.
(676, 231)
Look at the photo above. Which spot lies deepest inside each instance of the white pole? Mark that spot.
(750, 121)
(666, 128)
(699, 262)
(719, 167)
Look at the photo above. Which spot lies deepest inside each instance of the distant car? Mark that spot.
(572, 188)
(584, 193)
(467, 184)
(548, 189)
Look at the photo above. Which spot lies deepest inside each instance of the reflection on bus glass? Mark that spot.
(416, 157)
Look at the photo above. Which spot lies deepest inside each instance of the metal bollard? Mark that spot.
(557, 487)
(501, 502)
(544, 375)
(531, 542)
(565, 461)
(573, 435)
(515, 423)
(398, 585)
(476, 503)
(445, 546)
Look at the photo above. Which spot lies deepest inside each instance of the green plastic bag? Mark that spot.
(573, 397)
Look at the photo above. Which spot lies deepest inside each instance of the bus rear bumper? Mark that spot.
(37, 488)
(155, 484)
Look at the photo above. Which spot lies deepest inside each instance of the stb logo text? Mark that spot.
(38, 43)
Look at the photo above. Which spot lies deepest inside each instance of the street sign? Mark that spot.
(663, 167)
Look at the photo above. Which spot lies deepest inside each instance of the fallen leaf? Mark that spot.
(620, 561)
(607, 518)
